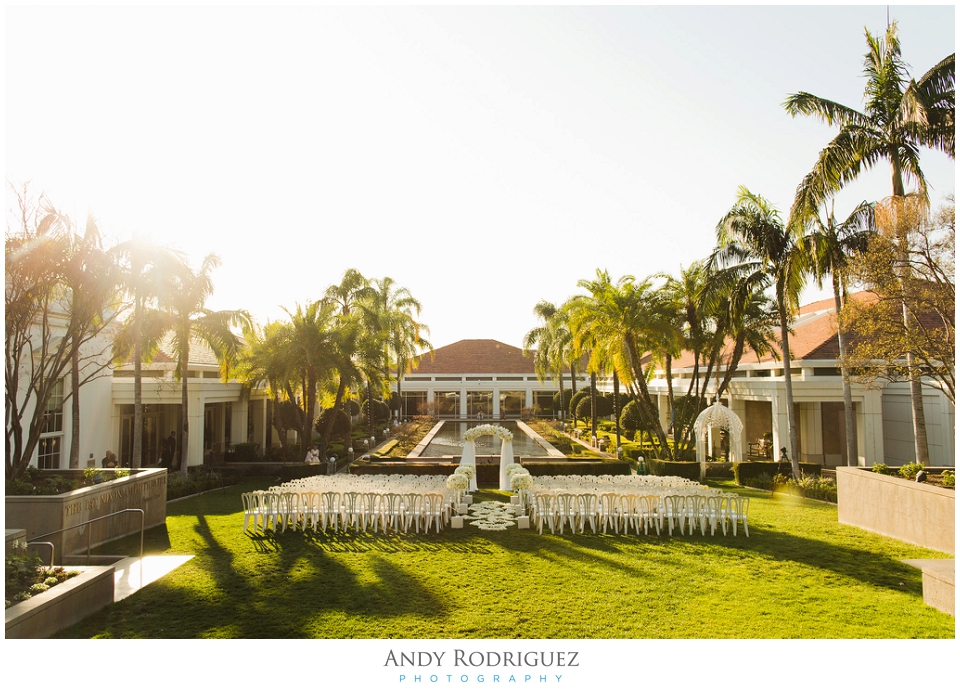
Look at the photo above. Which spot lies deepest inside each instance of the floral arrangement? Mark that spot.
(521, 481)
(467, 470)
(513, 467)
(458, 482)
(488, 430)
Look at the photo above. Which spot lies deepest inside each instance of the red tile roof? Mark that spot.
(476, 357)
(814, 335)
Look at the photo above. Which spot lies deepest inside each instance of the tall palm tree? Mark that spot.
(895, 123)
(899, 117)
(830, 247)
(755, 250)
(358, 351)
(395, 312)
(182, 311)
(265, 359)
(616, 320)
(307, 348)
(91, 283)
(542, 339)
(143, 267)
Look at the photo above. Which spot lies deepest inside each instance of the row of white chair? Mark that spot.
(631, 511)
(273, 511)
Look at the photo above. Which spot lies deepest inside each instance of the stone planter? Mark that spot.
(38, 515)
(921, 514)
(63, 605)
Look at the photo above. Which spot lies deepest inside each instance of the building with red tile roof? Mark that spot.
(473, 376)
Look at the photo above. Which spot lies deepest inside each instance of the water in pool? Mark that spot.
(449, 441)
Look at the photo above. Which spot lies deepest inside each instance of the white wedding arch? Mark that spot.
(720, 417)
(506, 451)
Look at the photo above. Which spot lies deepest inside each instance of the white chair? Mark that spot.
(692, 509)
(289, 509)
(310, 509)
(330, 509)
(588, 511)
(391, 511)
(251, 509)
(433, 510)
(610, 511)
(269, 505)
(412, 510)
(371, 510)
(712, 515)
(739, 506)
(568, 507)
(546, 510)
(352, 510)
(673, 511)
(654, 512)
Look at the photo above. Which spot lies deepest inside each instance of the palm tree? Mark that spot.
(616, 320)
(395, 312)
(546, 360)
(143, 267)
(831, 246)
(894, 124)
(90, 278)
(307, 348)
(358, 351)
(755, 250)
(182, 310)
(896, 121)
(265, 360)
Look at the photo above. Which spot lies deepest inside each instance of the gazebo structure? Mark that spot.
(718, 416)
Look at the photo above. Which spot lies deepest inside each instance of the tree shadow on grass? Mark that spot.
(280, 598)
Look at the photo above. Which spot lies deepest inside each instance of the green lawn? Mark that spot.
(800, 574)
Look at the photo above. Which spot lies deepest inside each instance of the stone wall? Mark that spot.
(38, 515)
(921, 514)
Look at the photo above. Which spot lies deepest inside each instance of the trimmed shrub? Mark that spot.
(753, 469)
(341, 425)
(243, 453)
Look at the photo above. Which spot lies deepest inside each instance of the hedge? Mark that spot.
(674, 468)
(753, 470)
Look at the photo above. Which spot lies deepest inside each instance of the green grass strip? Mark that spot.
(800, 574)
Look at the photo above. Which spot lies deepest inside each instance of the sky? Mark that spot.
(485, 158)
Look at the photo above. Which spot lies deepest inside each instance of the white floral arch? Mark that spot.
(469, 457)
(719, 417)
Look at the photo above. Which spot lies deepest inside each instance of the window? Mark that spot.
(51, 436)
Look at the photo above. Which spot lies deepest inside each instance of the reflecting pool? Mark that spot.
(449, 441)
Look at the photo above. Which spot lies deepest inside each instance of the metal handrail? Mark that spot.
(94, 520)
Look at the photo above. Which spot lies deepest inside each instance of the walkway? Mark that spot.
(127, 578)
